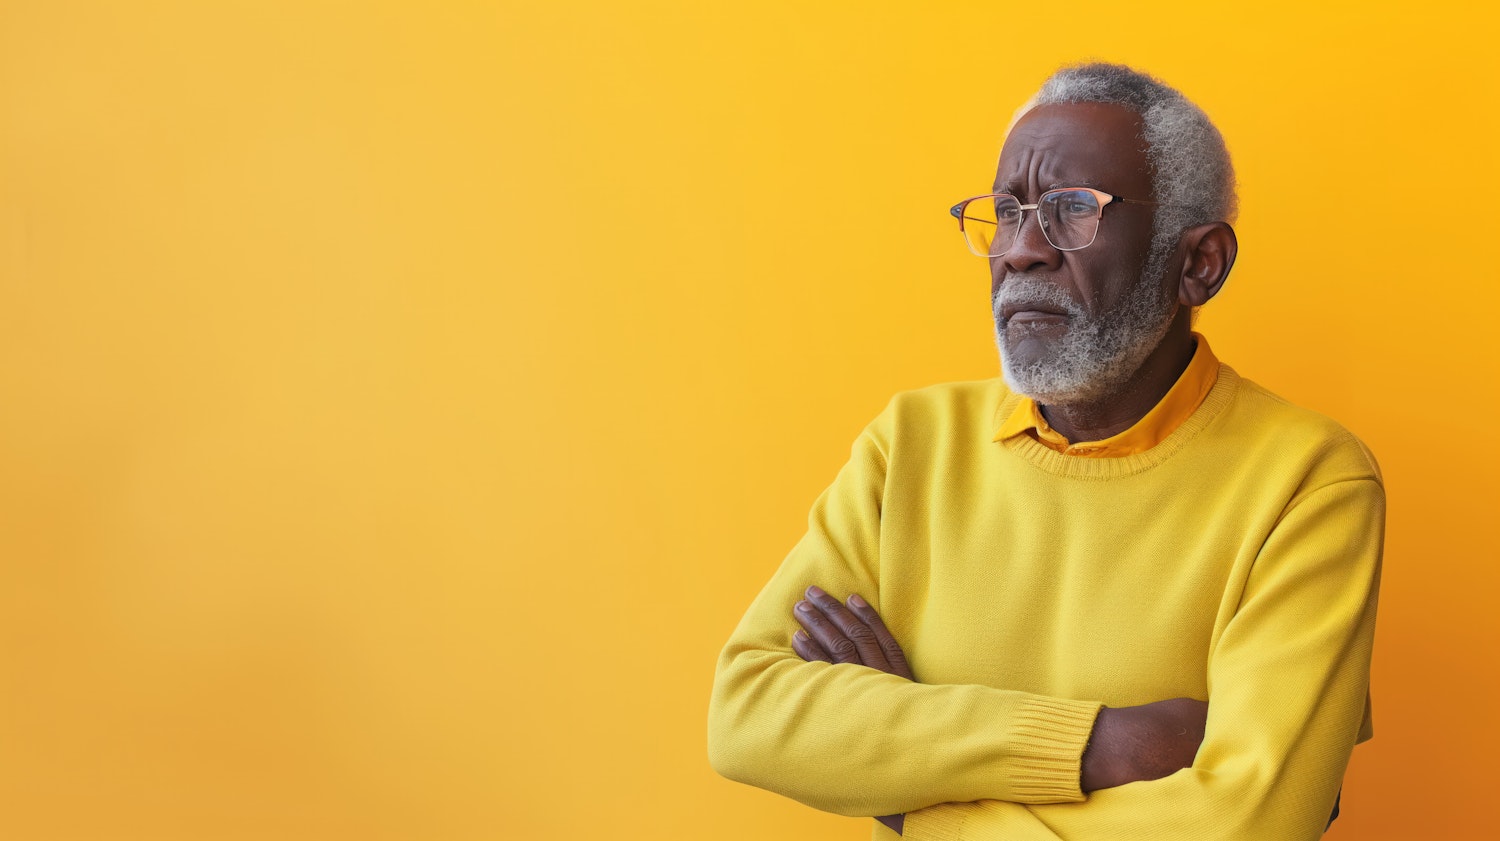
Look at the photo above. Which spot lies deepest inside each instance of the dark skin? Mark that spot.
(835, 633)
(1075, 145)
(1127, 745)
(1097, 145)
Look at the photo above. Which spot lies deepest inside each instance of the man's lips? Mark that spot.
(1024, 312)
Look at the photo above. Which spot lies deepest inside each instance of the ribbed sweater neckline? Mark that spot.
(1081, 467)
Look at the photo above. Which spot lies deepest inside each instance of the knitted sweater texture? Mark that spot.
(1235, 562)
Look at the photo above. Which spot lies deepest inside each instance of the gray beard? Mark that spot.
(1096, 355)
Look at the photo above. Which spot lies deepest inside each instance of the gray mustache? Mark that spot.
(1028, 291)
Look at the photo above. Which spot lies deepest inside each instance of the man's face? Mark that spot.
(1074, 326)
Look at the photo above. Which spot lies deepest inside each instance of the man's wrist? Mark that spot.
(1098, 768)
(1147, 742)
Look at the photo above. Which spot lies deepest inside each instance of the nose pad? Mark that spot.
(1039, 228)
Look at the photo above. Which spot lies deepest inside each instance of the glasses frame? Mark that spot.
(1104, 199)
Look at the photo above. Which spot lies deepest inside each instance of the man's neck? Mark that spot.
(1109, 416)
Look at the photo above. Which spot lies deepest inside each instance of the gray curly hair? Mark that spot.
(1192, 175)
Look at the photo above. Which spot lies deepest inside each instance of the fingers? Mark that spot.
(840, 632)
(808, 649)
(835, 633)
(894, 655)
(824, 634)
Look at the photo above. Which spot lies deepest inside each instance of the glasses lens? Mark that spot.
(990, 224)
(1070, 218)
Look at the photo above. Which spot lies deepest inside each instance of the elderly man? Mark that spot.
(1123, 594)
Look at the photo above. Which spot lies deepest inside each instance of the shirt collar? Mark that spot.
(1179, 403)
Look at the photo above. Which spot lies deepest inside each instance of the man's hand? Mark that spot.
(1128, 744)
(1148, 742)
(834, 633)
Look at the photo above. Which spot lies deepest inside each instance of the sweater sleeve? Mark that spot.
(855, 741)
(1288, 690)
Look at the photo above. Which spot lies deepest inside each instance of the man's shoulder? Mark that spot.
(925, 418)
(1265, 419)
(948, 402)
(963, 393)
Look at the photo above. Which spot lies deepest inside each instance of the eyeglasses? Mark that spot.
(1069, 218)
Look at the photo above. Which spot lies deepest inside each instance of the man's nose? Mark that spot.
(1031, 250)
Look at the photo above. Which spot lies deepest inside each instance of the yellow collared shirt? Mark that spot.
(1176, 406)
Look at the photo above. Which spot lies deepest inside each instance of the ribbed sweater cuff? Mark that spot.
(1047, 741)
(943, 822)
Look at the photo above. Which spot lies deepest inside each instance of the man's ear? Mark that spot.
(1211, 250)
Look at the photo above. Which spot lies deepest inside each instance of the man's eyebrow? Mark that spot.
(1015, 189)
(1077, 182)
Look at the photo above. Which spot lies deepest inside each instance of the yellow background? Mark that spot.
(400, 402)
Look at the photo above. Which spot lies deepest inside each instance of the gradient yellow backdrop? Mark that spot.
(400, 402)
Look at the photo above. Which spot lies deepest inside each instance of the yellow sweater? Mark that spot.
(1235, 562)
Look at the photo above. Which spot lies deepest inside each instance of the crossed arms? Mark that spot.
(1286, 688)
(1127, 745)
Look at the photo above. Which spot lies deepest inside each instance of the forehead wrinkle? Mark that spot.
(1008, 182)
(1038, 170)
(1072, 145)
